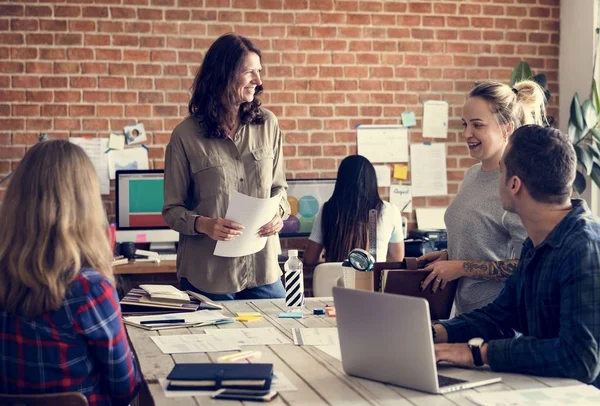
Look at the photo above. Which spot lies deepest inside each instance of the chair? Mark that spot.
(50, 399)
(326, 275)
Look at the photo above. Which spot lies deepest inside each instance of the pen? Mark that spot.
(165, 321)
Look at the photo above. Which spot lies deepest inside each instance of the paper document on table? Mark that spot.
(580, 395)
(428, 169)
(435, 119)
(382, 143)
(383, 175)
(279, 383)
(252, 213)
(332, 350)
(202, 317)
(187, 343)
(431, 218)
(250, 336)
(128, 158)
(401, 196)
(95, 148)
(316, 336)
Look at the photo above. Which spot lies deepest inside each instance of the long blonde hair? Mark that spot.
(53, 223)
(522, 104)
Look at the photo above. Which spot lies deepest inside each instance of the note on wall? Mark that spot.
(431, 218)
(382, 143)
(129, 158)
(401, 196)
(95, 148)
(400, 171)
(435, 119)
(383, 175)
(428, 169)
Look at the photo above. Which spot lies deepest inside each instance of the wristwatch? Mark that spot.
(475, 344)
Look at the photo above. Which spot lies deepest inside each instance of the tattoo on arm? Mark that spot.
(496, 270)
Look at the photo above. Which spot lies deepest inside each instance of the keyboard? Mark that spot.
(447, 381)
(167, 257)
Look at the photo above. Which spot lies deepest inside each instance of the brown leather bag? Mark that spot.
(405, 277)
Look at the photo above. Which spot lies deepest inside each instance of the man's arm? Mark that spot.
(494, 270)
(574, 353)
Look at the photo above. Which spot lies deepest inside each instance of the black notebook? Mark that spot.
(216, 376)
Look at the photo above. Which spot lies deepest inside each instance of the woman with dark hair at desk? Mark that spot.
(343, 222)
(228, 143)
(484, 240)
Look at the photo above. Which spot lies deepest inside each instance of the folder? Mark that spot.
(207, 376)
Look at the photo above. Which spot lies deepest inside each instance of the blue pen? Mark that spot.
(165, 321)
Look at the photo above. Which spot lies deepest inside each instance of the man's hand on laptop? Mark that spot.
(458, 354)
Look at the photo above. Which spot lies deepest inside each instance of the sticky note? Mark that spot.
(330, 311)
(116, 141)
(408, 119)
(400, 171)
(248, 314)
(141, 238)
(291, 315)
(248, 318)
(319, 311)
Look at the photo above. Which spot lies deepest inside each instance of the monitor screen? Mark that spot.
(305, 196)
(139, 202)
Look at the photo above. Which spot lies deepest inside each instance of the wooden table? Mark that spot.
(133, 274)
(319, 377)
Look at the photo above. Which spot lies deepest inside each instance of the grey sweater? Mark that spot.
(479, 229)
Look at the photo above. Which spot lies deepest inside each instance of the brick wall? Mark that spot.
(85, 68)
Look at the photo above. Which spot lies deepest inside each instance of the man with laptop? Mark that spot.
(553, 297)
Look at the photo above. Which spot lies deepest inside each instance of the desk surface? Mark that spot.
(319, 378)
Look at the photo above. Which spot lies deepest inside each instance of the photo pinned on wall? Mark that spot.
(135, 134)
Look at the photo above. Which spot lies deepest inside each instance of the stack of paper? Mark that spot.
(177, 320)
(139, 301)
(166, 293)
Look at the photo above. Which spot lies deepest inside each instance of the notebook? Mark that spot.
(166, 293)
(206, 376)
(177, 320)
(138, 301)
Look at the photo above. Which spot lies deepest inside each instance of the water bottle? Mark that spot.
(294, 282)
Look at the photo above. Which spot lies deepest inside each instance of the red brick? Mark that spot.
(95, 12)
(82, 111)
(83, 82)
(11, 10)
(38, 96)
(26, 82)
(67, 124)
(10, 152)
(95, 124)
(122, 12)
(54, 110)
(53, 25)
(83, 26)
(23, 25)
(80, 53)
(67, 11)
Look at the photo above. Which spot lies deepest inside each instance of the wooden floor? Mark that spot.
(319, 378)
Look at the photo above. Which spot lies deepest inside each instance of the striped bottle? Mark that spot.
(294, 281)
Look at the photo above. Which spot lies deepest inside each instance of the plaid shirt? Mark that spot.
(553, 299)
(82, 347)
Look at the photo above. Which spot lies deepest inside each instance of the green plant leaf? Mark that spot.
(593, 147)
(521, 72)
(541, 80)
(596, 97)
(547, 95)
(579, 184)
(595, 175)
(584, 157)
(576, 116)
(596, 134)
(589, 114)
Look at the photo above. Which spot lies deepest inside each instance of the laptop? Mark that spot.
(388, 338)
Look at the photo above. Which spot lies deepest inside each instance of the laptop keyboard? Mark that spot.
(447, 381)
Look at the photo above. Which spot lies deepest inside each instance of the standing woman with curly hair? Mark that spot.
(228, 143)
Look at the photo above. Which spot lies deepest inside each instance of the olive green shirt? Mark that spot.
(200, 173)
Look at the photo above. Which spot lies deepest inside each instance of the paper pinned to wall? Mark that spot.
(382, 143)
(408, 119)
(401, 196)
(383, 175)
(116, 141)
(400, 171)
(431, 218)
(95, 148)
(428, 169)
(129, 158)
(435, 119)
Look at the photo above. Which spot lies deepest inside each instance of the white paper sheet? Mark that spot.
(580, 395)
(401, 196)
(252, 213)
(428, 169)
(382, 143)
(95, 148)
(279, 383)
(431, 218)
(384, 176)
(249, 336)
(435, 119)
(332, 350)
(316, 336)
(128, 158)
(191, 318)
(186, 343)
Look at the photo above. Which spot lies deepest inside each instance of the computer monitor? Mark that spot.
(139, 202)
(305, 197)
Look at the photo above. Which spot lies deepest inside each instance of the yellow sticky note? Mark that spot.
(248, 318)
(248, 314)
(400, 171)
